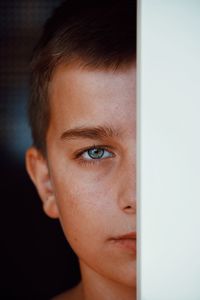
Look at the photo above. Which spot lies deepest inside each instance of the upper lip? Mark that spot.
(130, 235)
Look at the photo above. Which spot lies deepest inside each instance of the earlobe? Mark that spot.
(37, 169)
(50, 207)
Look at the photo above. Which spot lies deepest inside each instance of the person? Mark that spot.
(82, 115)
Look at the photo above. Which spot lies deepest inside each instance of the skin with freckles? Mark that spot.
(88, 178)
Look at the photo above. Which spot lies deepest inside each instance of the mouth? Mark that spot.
(130, 235)
(126, 241)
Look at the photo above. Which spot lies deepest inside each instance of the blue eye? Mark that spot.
(96, 153)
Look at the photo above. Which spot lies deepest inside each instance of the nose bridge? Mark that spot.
(127, 186)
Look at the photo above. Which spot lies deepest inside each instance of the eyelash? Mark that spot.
(79, 157)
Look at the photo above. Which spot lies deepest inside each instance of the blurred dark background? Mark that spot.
(36, 262)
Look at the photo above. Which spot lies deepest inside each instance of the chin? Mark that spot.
(129, 281)
(128, 277)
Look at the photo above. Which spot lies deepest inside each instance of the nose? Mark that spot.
(127, 189)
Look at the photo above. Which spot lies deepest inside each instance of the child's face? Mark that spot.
(94, 198)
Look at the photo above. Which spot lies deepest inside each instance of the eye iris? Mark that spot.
(96, 153)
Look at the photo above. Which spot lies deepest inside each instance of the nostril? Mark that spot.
(128, 207)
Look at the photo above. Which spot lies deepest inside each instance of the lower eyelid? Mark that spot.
(93, 162)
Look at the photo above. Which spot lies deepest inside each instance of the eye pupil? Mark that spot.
(96, 153)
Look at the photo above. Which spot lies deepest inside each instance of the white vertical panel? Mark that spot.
(169, 149)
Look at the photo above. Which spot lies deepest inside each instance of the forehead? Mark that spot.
(80, 97)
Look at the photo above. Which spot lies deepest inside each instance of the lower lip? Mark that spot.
(127, 244)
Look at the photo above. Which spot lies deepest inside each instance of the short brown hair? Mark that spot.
(100, 34)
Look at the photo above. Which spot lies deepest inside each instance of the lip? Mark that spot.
(130, 235)
(126, 242)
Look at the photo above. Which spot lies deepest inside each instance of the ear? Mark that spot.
(37, 169)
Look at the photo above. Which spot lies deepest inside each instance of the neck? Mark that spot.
(95, 286)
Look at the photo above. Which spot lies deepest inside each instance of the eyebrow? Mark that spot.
(97, 132)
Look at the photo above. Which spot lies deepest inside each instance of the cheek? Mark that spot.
(84, 210)
(84, 194)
